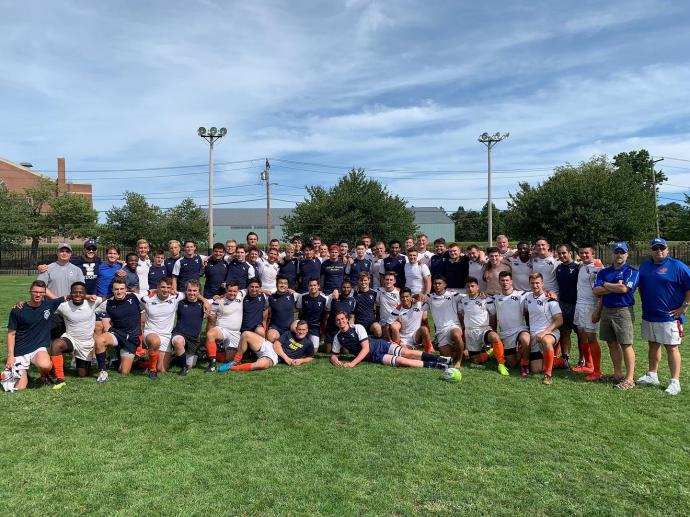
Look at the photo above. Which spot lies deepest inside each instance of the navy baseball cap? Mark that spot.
(658, 242)
(619, 246)
(90, 244)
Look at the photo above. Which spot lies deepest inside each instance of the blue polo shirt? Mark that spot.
(32, 325)
(662, 288)
(630, 277)
(106, 275)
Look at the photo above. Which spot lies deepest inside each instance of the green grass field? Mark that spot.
(321, 440)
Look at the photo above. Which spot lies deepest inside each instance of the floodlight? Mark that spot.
(213, 131)
(223, 131)
(201, 131)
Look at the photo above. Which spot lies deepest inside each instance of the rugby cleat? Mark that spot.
(583, 369)
(226, 366)
(102, 377)
(59, 384)
(547, 380)
(211, 366)
(183, 372)
(524, 371)
(503, 370)
(442, 359)
(153, 376)
(594, 376)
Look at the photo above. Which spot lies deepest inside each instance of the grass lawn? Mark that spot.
(321, 440)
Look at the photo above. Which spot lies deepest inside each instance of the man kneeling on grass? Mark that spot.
(355, 340)
(292, 348)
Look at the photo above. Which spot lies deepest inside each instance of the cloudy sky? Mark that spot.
(401, 88)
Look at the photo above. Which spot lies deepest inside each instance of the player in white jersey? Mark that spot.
(226, 322)
(477, 316)
(521, 266)
(411, 324)
(143, 264)
(423, 254)
(587, 308)
(475, 266)
(510, 318)
(545, 263)
(79, 315)
(379, 252)
(443, 305)
(417, 275)
(387, 300)
(268, 269)
(544, 319)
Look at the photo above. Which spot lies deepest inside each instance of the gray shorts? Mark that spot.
(617, 325)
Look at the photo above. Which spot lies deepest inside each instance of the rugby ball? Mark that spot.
(452, 375)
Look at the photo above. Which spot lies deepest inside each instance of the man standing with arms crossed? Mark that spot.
(665, 293)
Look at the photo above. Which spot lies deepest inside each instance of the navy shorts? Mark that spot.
(377, 349)
(126, 342)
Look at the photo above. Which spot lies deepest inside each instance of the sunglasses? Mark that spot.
(620, 252)
(90, 249)
(658, 248)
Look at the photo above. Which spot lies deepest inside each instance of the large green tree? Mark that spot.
(355, 205)
(671, 216)
(595, 201)
(186, 221)
(15, 213)
(471, 225)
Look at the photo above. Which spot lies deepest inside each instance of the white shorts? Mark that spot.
(266, 350)
(510, 339)
(474, 338)
(165, 340)
(315, 340)
(663, 332)
(583, 318)
(536, 347)
(408, 339)
(81, 349)
(231, 338)
(443, 335)
(23, 362)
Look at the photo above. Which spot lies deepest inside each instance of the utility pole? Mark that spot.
(266, 176)
(211, 135)
(656, 202)
(490, 141)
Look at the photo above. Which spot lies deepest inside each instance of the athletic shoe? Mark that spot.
(648, 379)
(490, 352)
(503, 370)
(566, 364)
(46, 381)
(594, 376)
(442, 359)
(547, 380)
(102, 377)
(673, 388)
(184, 372)
(524, 371)
(580, 362)
(153, 376)
(583, 369)
(59, 384)
(211, 367)
(226, 366)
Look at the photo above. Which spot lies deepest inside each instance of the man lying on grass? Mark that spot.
(355, 340)
(292, 348)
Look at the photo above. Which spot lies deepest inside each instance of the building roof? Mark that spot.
(257, 216)
(9, 166)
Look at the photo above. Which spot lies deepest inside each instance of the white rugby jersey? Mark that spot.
(143, 267)
(415, 275)
(80, 320)
(521, 272)
(387, 302)
(547, 267)
(510, 313)
(541, 310)
(476, 269)
(585, 280)
(410, 320)
(424, 257)
(444, 309)
(376, 271)
(476, 311)
(267, 273)
(229, 312)
(160, 314)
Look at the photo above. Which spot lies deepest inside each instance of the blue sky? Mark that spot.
(387, 86)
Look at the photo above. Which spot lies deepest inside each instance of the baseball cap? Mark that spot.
(64, 245)
(658, 242)
(90, 244)
(619, 246)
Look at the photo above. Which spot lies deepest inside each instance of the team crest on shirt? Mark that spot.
(662, 270)
(514, 298)
(46, 314)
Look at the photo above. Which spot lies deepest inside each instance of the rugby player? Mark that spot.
(323, 253)
(360, 264)
(417, 274)
(255, 308)
(544, 262)
(61, 274)
(443, 305)
(395, 262)
(175, 249)
(587, 310)
(567, 273)
(503, 246)
(338, 301)
(411, 324)
(281, 309)
(379, 253)
(366, 301)
(309, 268)
(189, 267)
(475, 265)
(225, 321)
(295, 348)
(455, 268)
(440, 255)
(266, 356)
(521, 266)
(185, 336)
(230, 250)
(143, 263)
(131, 275)
(215, 271)
(239, 270)
(510, 318)
(332, 270)
(423, 253)
(493, 267)
(157, 269)
(289, 266)
(312, 309)
(387, 299)
(108, 270)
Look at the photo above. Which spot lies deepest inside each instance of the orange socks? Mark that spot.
(221, 356)
(483, 357)
(242, 367)
(153, 361)
(238, 358)
(211, 349)
(548, 362)
(498, 352)
(559, 362)
(428, 346)
(58, 365)
(596, 355)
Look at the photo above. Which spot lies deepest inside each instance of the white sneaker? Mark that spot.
(673, 388)
(102, 377)
(648, 379)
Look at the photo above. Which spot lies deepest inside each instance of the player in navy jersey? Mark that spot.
(157, 269)
(295, 348)
(355, 340)
(255, 308)
(289, 266)
(122, 325)
(439, 256)
(456, 269)
(395, 262)
(339, 301)
(89, 263)
(281, 306)
(215, 271)
(566, 278)
(28, 334)
(239, 270)
(365, 306)
(309, 268)
(360, 264)
(312, 309)
(185, 336)
(297, 243)
(189, 267)
(332, 270)
(175, 249)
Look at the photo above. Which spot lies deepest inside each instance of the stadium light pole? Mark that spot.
(211, 136)
(490, 141)
(656, 202)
